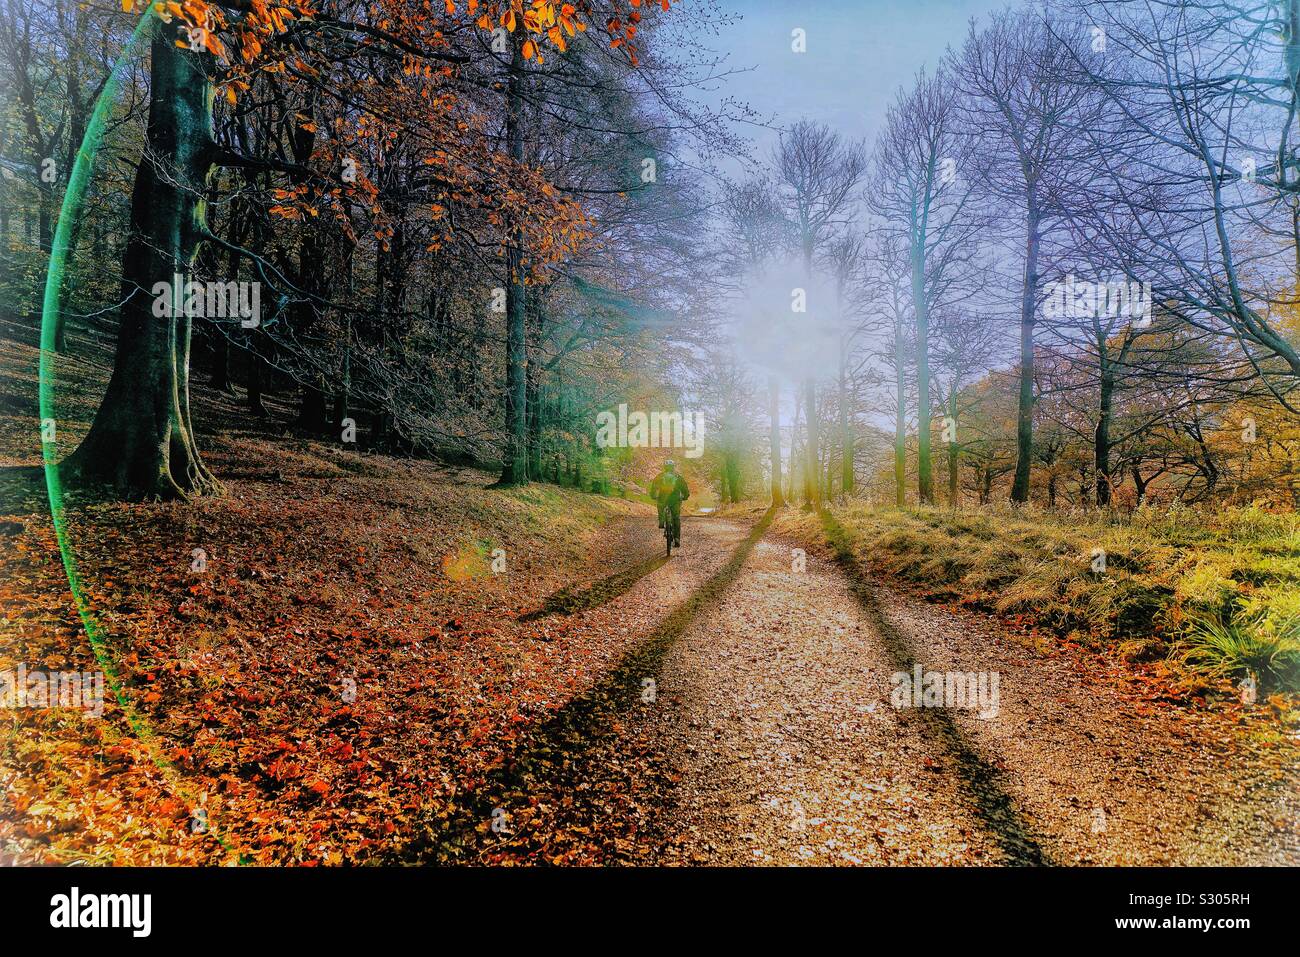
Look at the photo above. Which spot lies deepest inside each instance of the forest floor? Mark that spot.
(348, 679)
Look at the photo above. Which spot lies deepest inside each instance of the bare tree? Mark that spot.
(845, 262)
(819, 174)
(921, 193)
(1205, 105)
(965, 345)
(758, 233)
(1024, 115)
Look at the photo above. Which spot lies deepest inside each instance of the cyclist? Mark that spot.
(669, 490)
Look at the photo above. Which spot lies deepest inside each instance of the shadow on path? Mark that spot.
(569, 600)
(551, 771)
(980, 782)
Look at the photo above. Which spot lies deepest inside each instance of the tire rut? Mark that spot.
(570, 600)
(980, 781)
(553, 799)
(777, 713)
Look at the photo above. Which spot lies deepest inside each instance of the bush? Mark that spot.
(1242, 645)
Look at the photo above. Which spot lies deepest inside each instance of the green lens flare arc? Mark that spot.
(73, 200)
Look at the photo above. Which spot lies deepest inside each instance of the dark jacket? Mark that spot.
(669, 488)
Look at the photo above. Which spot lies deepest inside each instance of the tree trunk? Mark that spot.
(142, 441)
(220, 341)
(340, 407)
(313, 410)
(256, 374)
(534, 424)
(731, 477)
(305, 313)
(774, 437)
(514, 468)
(221, 362)
(1140, 485)
(47, 245)
(812, 461)
(1025, 406)
(78, 110)
(954, 450)
(900, 422)
(846, 433)
(535, 328)
(343, 398)
(925, 489)
(1209, 469)
(812, 466)
(793, 472)
(1101, 440)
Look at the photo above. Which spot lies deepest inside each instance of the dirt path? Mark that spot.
(770, 737)
(753, 723)
(587, 784)
(779, 706)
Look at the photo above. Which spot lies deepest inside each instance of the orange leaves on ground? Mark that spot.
(315, 691)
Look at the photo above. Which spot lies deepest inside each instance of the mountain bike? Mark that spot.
(672, 530)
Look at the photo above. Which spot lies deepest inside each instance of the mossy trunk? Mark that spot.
(954, 450)
(141, 442)
(514, 469)
(774, 437)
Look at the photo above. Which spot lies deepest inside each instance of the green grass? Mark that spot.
(1245, 646)
(1167, 572)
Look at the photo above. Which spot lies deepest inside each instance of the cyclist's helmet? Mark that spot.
(670, 465)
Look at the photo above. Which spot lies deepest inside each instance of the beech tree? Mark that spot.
(1029, 122)
(921, 194)
(1205, 106)
(142, 440)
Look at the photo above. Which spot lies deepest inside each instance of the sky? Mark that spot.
(859, 52)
